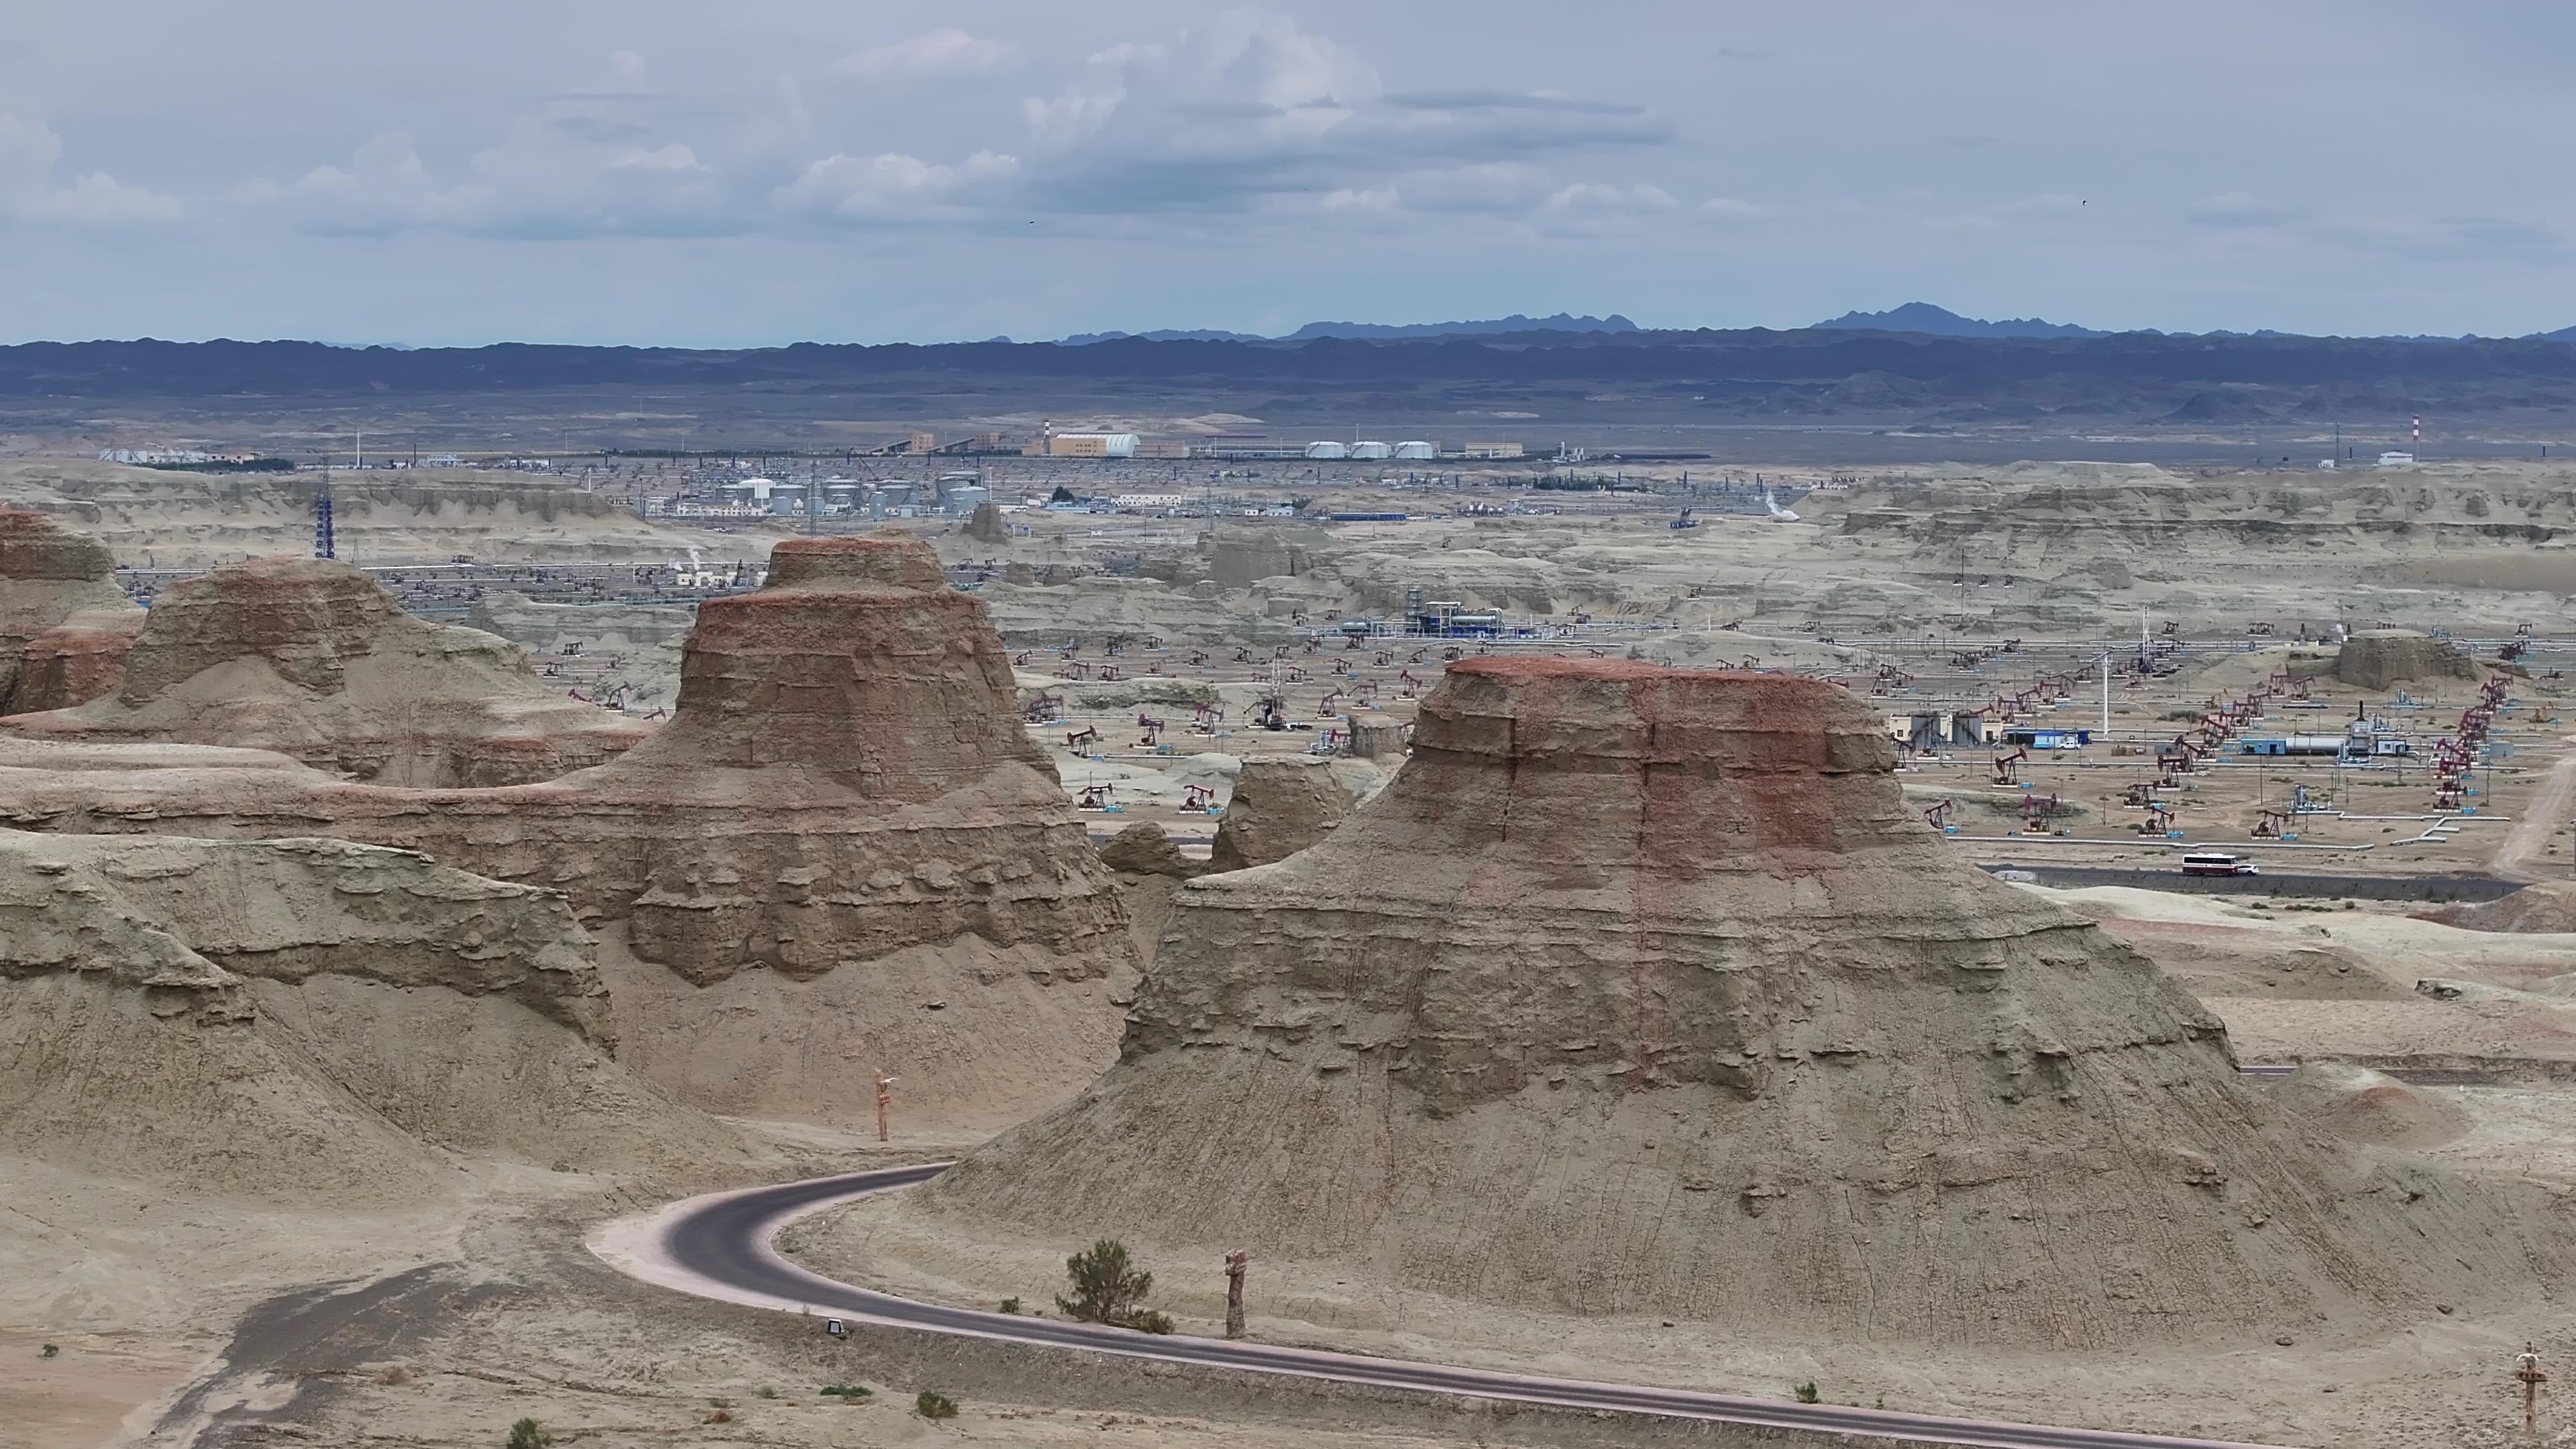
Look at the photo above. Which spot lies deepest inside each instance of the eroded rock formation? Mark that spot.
(1280, 805)
(314, 659)
(304, 1019)
(1240, 556)
(64, 624)
(1150, 872)
(1640, 991)
(2380, 658)
(841, 854)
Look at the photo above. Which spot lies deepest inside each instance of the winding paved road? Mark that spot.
(721, 1246)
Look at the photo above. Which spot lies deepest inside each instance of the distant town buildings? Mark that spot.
(148, 457)
(1092, 445)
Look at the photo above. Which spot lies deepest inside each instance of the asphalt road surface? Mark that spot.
(719, 1246)
(2432, 888)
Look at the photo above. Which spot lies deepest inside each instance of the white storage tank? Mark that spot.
(1371, 450)
(1417, 449)
(1327, 450)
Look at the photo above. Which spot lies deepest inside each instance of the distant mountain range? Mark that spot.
(1561, 322)
(1933, 321)
(1927, 320)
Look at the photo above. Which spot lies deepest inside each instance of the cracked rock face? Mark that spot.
(1641, 991)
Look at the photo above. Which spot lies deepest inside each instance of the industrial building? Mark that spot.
(1093, 445)
(1447, 618)
(1931, 731)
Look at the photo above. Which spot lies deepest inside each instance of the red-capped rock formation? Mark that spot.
(840, 855)
(1640, 991)
(64, 624)
(314, 659)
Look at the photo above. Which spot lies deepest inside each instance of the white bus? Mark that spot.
(2215, 862)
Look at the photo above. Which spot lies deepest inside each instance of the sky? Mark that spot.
(769, 171)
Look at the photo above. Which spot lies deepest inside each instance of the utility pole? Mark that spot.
(885, 1099)
(1236, 1263)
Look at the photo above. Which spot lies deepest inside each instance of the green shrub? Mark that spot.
(847, 1391)
(529, 1434)
(1806, 1392)
(931, 1405)
(1107, 1288)
(49, 1350)
(1010, 1305)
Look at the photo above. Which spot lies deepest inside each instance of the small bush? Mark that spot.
(767, 1392)
(528, 1434)
(49, 1350)
(931, 1405)
(848, 1391)
(720, 1416)
(1806, 1392)
(394, 1375)
(1107, 1288)
(1010, 1305)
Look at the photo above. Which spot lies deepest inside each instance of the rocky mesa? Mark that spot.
(840, 855)
(1639, 991)
(312, 658)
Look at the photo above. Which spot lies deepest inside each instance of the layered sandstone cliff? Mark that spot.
(304, 1020)
(314, 659)
(64, 624)
(841, 854)
(1640, 991)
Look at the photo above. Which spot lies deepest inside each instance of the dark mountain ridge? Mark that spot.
(1670, 363)
(1561, 322)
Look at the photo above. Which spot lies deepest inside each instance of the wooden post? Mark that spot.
(885, 1099)
(2527, 1370)
(1235, 1264)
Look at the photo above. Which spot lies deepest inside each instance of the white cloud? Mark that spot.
(29, 152)
(98, 199)
(1594, 197)
(1067, 118)
(546, 178)
(673, 157)
(1243, 112)
(893, 187)
(946, 51)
